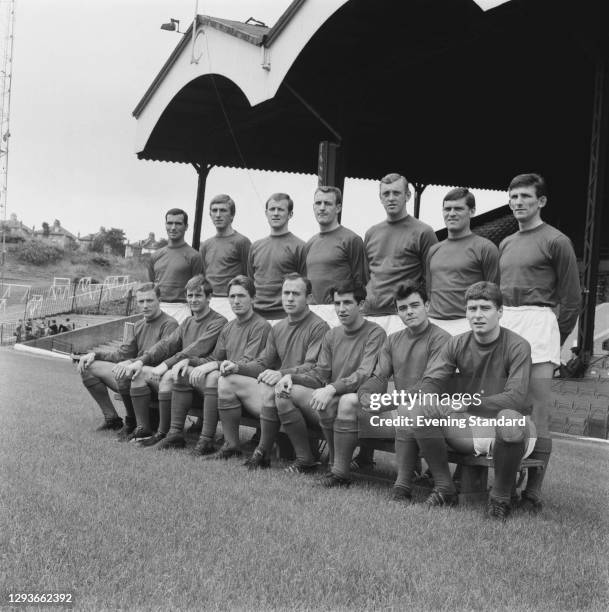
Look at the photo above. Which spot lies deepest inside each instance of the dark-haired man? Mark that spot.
(336, 252)
(404, 356)
(275, 256)
(241, 340)
(224, 255)
(538, 274)
(323, 395)
(397, 248)
(292, 347)
(195, 337)
(107, 369)
(458, 262)
(482, 413)
(171, 266)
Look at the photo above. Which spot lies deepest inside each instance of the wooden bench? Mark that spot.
(473, 477)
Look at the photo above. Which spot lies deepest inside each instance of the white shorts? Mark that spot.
(483, 445)
(455, 327)
(537, 325)
(178, 310)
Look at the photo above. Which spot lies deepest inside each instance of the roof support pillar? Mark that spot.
(596, 200)
(419, 188)
(330, 167)
(202, 172)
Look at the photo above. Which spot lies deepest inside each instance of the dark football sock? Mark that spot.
(295, 427)
(506, 459)
(345, 441)
(542, 451)
(123, 388)
(210, 413)
(129, 410)
(181, 403)
(269, 427)
(406, 457)
(230, 415)
(99, 392)
(327, 428)
(164, 411)
(140, 399)
(433, 448)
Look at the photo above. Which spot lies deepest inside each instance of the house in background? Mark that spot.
(143, 247)
(85, 242)
(57, 235)
(15, 230)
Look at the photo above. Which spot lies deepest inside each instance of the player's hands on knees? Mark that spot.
(269, 377)
(228, 367)
(135, 369)
(284, 387)
(179, 369)
(322, 397)
(196, 374)
(158, 371)
(121, 370)
(84, 362)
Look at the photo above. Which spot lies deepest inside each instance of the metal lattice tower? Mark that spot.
(7, 33)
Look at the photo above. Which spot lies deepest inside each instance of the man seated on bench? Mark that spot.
(328, 393)
(292, 347)
(484, 414)
(240, 340)
(195, 337)
(107, 369)
(404, 356)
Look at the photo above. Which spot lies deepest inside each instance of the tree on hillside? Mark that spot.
(115, 238)
(46, 230)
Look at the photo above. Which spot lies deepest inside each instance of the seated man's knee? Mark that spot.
(284, 406)
(166, 383)
(181, 383)
(348, 406)
(224, 386)
(143, 378)
(267, 393)
(511, 427)
(211, 380)
(124, 384)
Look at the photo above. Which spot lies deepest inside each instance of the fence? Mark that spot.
(82, 298)
(116, 296)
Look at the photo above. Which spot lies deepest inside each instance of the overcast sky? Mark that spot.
(79, 69)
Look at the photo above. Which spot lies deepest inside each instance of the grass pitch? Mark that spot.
(130, 528)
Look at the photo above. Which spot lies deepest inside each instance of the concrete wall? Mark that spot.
(83, 339)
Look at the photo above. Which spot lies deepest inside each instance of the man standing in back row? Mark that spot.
(336, 252)
(275, 256)
(538, 273)
(458, 262)
(225, 254)
(396, 248)
(172, 266)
